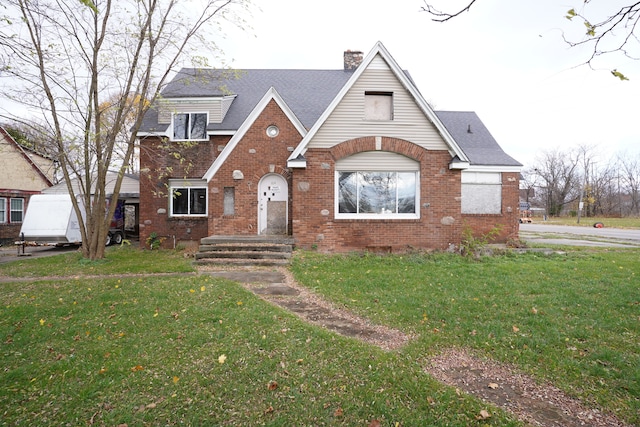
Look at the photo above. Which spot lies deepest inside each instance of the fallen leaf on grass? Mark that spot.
(222, 358)
(272, 385)
(374, 423)
(483, 415)
(269, 410)
(175, 380)
(338, 412)
(515, 328)
(137, 368)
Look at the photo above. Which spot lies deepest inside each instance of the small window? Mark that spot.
(481, 193)
(189, 126)
(229, 201)
(378, 106)
(188, 198)
(17, 210)
(3, 211)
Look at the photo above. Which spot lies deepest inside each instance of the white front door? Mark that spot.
(273, 196)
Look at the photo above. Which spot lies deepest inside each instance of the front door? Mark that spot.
(273, 196)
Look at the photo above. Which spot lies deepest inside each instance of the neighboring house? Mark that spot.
(22, 174)
(341, 160)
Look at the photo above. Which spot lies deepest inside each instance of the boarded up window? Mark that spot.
(481, 193)
(378, 106)
(229, 200)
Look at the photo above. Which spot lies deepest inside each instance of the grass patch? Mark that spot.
(195, 350)
(188, 350)
(118, 260)
(628, 222)
(570, 319)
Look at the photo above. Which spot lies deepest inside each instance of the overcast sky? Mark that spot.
(504, 60)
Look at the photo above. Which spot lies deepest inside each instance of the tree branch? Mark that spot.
(439, 16)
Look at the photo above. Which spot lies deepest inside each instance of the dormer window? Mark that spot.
(378, 106)
(190, 126)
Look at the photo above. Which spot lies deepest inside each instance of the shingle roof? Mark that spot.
(474, 138)
(308, 93)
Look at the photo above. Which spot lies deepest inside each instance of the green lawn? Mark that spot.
(193, 350)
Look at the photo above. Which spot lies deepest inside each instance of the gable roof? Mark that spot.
(476, 140)
(408, 84)
(310, 96)
(272, 94)
(23, 152)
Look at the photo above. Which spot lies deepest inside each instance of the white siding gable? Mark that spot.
(216, 107)
(347, 120)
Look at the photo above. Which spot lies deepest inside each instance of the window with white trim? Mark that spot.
(481, 192)
(17, 210)
(377, 194)
(3, 211)
(188, 197)
(190, 126)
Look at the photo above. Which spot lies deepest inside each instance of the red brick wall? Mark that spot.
(314, 224)
(508, 220)
(157, 166)
(311, 193)
(256, 155)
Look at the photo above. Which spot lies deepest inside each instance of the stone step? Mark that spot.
(248, 239)
(245, 247)
(244, 254)
(241, 262)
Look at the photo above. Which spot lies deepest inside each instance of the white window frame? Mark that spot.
(12, 210)
(3, 210)
(188, 185)
(381, 215)
(189, 113)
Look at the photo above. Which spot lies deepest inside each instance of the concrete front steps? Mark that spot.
(268, 250)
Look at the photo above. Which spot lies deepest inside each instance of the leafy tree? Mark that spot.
(79, 64)
(617, 32)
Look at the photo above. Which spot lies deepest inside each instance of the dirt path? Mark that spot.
(495, 383)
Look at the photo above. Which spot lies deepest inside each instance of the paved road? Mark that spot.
(589, 236)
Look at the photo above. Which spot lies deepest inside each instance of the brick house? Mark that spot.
(22, 173)
(340, 160)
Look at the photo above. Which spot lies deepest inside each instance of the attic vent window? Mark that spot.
(190, 126)
(378, 106)
(273, 131)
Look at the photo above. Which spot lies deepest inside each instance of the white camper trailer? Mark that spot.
(51, 220)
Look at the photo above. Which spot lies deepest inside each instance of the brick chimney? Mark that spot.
(352, 59)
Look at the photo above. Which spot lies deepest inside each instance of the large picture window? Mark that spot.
(189, 126)
(377, 194)
(188, 198)
(17, 210)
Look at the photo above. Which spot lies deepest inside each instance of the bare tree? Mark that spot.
(66, 58)
(560, 179)
(616, 32)
(629, 176)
